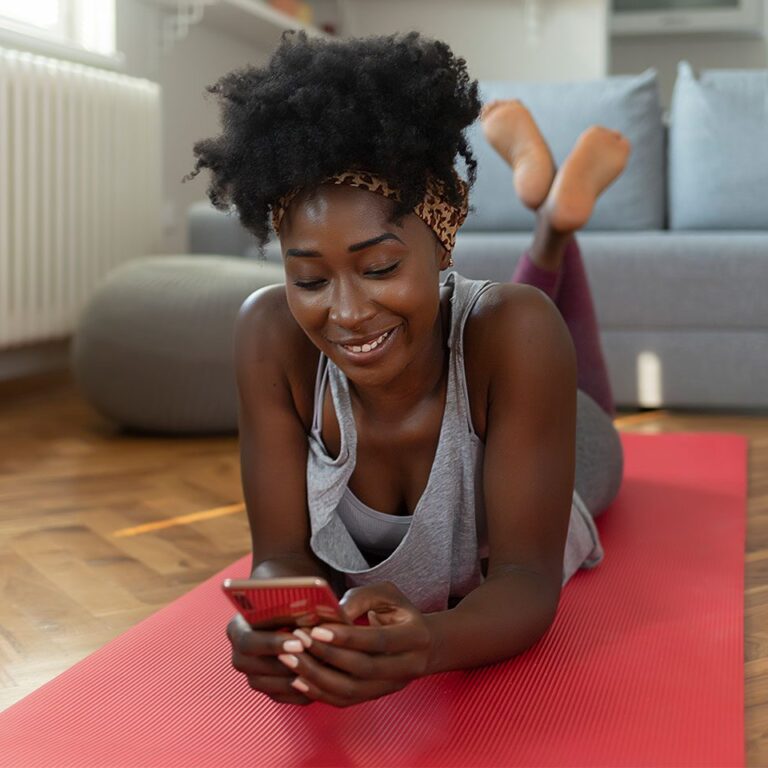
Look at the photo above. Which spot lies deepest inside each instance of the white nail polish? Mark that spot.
(303, 636)
(293, 646)
(288, 660)
(300, 685)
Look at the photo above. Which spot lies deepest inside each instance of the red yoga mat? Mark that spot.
(643, 665)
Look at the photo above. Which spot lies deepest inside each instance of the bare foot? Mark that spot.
(513, 133)
(597, 158)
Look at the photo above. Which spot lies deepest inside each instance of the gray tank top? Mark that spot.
(375, 533)
(437, 551)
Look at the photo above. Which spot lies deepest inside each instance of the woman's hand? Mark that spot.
(255, 652)
(347, 664)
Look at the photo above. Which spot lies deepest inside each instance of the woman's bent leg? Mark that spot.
(599, 455)
(563, 202)
(568, 288)
(575, 304)
(529, 273)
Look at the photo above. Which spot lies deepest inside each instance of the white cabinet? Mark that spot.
(642, 17)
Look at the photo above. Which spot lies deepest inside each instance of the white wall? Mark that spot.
(531, 40)
(704, 51)
(189, 113)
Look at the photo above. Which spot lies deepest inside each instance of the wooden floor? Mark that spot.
(99, 529)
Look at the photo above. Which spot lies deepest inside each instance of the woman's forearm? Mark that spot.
(500, 619)
(288, 565)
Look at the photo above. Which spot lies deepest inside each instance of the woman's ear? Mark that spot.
(443, 257)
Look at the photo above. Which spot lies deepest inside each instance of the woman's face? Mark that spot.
(364, 290)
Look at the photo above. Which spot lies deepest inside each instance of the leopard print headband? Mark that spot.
(440, 216)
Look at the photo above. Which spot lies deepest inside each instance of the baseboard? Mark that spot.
(34, 359)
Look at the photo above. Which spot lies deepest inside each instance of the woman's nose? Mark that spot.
(350, 304)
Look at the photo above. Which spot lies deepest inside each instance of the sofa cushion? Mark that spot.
(692, 281)
(629, 104)
(674, 368)
(751, 83)
(718, 155)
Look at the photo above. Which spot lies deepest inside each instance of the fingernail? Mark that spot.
(321, 633)
(288, 660)
(303, 636)
(293, 646)
(300, 685)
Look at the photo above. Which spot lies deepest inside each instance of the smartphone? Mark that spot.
(285, 603)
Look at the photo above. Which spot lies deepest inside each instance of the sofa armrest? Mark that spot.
(214, 231)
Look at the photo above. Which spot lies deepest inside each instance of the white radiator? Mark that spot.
(80, 187)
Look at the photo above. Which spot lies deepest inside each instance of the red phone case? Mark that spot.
(274, 606)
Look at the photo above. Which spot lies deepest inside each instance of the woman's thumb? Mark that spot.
(359, 601)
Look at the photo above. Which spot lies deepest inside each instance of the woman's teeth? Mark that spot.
(368, 347)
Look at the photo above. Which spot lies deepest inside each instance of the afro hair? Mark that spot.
(394, 105)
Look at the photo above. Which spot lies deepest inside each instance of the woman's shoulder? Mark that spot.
(506, 313)
(512, 333)
(271, 346)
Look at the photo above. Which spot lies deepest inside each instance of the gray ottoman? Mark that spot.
(153, 350)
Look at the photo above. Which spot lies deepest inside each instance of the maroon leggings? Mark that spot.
(569, 289)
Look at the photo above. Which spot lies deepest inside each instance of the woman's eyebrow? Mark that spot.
(352, 248)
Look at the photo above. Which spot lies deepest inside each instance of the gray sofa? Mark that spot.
(677, 248)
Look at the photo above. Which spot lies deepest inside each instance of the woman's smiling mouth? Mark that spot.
(369, 350)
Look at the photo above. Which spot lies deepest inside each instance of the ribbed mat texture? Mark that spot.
(643, 665)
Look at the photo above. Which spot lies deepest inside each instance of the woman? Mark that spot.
(412, 442)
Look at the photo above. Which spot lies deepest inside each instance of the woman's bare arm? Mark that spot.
(273, 441)
(528, 481)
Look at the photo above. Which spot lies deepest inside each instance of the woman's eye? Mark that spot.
(308, 285)
(385, 271)
(313, 285)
